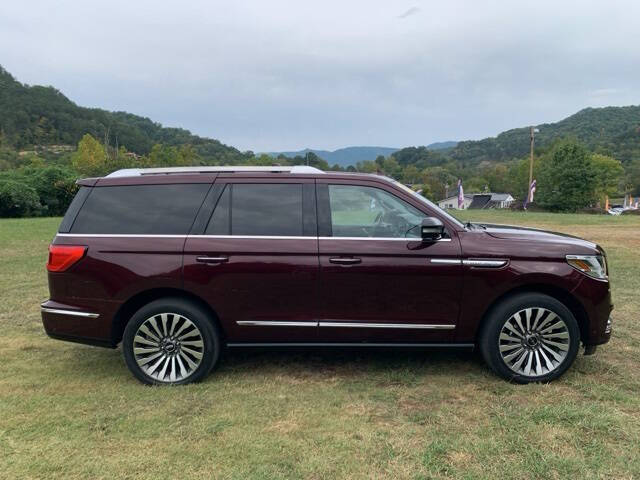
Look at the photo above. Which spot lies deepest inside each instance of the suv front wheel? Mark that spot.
(170, 341)
(530, 337)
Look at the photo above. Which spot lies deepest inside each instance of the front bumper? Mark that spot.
(590, 349)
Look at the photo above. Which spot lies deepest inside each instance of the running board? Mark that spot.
(358, 344)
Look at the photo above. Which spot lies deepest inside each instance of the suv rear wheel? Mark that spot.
(530, 337)
(170, 341)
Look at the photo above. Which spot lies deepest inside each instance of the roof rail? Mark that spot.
(135, 172)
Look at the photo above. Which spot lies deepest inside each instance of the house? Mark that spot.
(501, 200)
(479, 201)
(452, 202)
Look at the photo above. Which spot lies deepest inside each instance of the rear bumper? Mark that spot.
(76, 324)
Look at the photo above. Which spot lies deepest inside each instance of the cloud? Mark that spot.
(412, 11)
(282, 75)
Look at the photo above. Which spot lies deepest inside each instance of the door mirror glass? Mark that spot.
(431, 229)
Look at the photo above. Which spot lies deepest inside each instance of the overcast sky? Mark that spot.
(283, 75)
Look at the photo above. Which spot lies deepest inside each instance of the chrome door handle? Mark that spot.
(212, 259)
(345, 261)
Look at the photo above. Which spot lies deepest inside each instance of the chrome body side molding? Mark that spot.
(417, 326)
(269, 323)
(338, 324)
(72, 313)
(475, 262)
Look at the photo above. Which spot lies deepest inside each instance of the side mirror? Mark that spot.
(431, 229)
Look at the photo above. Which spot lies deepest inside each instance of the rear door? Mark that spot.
(255, 260)
(378, 281)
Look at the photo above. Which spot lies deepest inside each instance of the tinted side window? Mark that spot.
(73, 209)
(141, 209)
(358, 211)
(268, 209)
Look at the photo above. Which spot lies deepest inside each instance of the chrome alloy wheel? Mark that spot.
(534, 342)
(168, 347)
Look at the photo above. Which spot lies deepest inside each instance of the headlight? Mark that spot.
(592, 265)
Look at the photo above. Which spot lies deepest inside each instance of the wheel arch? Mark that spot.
(133, 304)
(553, 291)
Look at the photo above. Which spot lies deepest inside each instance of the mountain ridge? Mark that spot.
(351, 155)
(38, 115)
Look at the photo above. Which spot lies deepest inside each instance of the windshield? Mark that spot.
(422, 199)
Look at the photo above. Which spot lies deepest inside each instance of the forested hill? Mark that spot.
(36, 115)
(613, 131)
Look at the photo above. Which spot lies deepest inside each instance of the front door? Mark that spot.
(378, 281)
(256, 261)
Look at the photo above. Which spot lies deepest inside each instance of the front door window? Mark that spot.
(359, 211)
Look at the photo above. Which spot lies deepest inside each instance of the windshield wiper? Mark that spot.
(473, 226)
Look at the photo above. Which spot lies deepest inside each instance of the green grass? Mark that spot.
(72, 411)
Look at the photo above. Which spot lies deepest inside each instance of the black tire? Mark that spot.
(197, 329)
(496, 349)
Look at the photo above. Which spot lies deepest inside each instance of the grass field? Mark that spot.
(72, 411)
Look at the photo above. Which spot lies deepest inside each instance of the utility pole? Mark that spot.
(532, 133)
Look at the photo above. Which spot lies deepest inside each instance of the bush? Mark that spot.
(18, 199)
(55, 185)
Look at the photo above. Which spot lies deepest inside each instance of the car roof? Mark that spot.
(204, 174)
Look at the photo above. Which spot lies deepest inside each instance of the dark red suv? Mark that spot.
(178, 263)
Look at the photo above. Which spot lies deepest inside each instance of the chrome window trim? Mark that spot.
(257, 237)
(72, 313)
(396, 239)
(231, 237)
(118, 235)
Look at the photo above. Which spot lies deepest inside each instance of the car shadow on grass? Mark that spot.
(350, 361)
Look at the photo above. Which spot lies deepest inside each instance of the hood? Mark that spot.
(509, 232)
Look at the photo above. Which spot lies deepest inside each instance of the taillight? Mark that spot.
(62, 257)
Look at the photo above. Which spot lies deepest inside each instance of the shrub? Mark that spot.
(55, 185)
(18, 199)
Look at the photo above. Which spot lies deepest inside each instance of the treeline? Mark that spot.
(569, 176)
(47, 142)
(44, 183)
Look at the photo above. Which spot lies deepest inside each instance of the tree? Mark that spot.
(90, 159)
(440, 182)
(632, 177)
(567, 179)
(609, 173)
(516, 180)
(411, 175)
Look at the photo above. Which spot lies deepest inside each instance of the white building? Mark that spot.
(452, 202)
(479, 200)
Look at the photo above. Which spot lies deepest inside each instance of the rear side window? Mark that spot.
(141, 209)
(259, 209)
